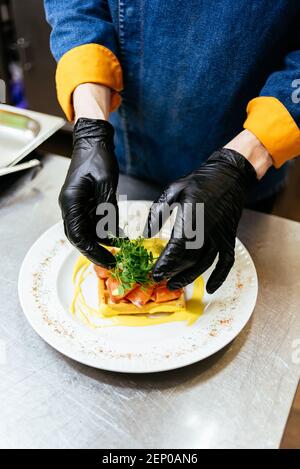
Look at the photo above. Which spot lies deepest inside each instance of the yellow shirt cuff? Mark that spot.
(274, 126)
(89, 63)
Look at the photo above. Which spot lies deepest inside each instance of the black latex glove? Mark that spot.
(92, 178)
(221, 184)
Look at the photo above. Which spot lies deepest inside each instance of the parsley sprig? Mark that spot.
(133, 264)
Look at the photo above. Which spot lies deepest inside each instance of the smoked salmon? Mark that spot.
(116, 291)
(140, 295)
(101, 272)
(162, 293)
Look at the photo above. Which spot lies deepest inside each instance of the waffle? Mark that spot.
(108, 309)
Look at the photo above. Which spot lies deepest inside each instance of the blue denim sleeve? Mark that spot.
(78, 22)
(284, 84)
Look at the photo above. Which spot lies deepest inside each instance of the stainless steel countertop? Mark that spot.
(239, 398)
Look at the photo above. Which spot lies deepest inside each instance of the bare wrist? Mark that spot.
(253, 150)
(91, 101)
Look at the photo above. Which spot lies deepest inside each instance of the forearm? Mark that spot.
(253, 150)
(91, 101)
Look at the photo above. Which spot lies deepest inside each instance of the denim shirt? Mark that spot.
(190, 69)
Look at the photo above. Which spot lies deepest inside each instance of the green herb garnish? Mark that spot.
(133, 264)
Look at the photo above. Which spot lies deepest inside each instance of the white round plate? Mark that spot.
(46, 290)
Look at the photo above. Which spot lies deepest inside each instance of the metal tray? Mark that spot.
(21, 131)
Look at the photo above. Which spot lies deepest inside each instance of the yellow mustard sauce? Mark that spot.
(94, 319)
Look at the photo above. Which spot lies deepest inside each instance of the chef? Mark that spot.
(199, 96)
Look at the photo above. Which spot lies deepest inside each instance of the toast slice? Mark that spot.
(108, 309)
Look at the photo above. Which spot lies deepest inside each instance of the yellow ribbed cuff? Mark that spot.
(274, 126)
(89, 63)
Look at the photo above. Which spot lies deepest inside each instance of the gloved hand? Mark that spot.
(92, 179)
(221, 184)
